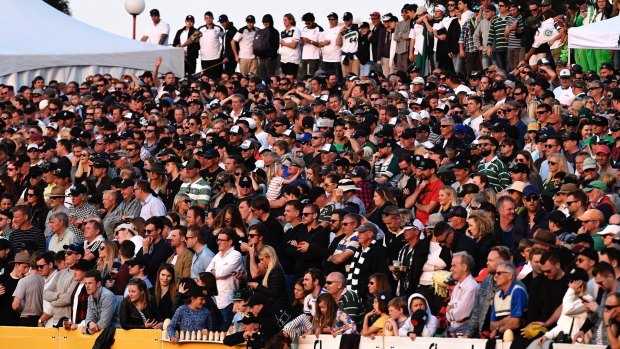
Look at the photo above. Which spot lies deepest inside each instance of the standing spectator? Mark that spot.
(56, 201)
(272, 285)
(401, 36)
(267, 58)
(384, 55)
(310, 41)
(193, 316)
(79, 296)
(158, 31)
(8, 284)
(164, 292)
(36, 205)
(195, 186)
(498, 44)
(28, 295)
(481, 34)
(224, 265)
(491, 165)
(514, 31)
(202, 254)
(330, 49)
(463, 295)
(24, 232)
(81, 209)
(182, 257)
(191, 50)
(151, 205)
(371, 258)
(58, 292)
(102, 305)
(228, 54)
(244, 39)
(347, 300)
(210, 47)
(155, 249)
(348, 40)
(62, 234)
(130, 206)
(290, 53)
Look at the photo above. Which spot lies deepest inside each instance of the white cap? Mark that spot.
(43, 104)
(32, 146)
(565, 73)
(404, 93)
(418, 81)
(610, 229)
(424, 114)
(53, 126)
(441, 8)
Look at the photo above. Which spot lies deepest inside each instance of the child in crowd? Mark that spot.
(329, 319)
(379, 307)
(240, 298)
(397, 310)
(422, 322)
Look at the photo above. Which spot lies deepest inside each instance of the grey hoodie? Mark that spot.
(431, 324)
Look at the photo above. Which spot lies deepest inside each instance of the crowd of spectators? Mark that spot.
(434, 175)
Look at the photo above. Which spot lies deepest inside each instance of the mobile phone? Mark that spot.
(285, 169)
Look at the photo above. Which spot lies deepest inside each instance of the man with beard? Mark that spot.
(385, 163)
(491, 165)
(425, 198)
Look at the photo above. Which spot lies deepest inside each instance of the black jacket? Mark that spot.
(130, 317)
(192, 49)
(228, 42)
(420, 256)
(275, 290)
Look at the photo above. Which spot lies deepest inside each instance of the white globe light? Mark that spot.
(134, 7)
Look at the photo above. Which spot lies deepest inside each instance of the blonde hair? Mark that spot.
(562, 165)
(451, 192)
(483, 222)
(609, 179)
(268, 251)
(104, 266)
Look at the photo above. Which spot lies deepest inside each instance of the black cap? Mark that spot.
(62, 173)
(78, 189)
(426, 164)
(332, 15)
(577, 274)
(255, 299)
(250, 19)
(519, 168)
(139, 260)
(456, 211)
(364, 25)
(79, 248)
(469, 188)
(408, 133)
(190, 18)
(223, 18)
(248, 318)
(571, 136)
(386, 142)
(461, 163)
(82, 265)
(590, 253)
(347, 16)
(100, 163)
(154, 12)
(126, 183)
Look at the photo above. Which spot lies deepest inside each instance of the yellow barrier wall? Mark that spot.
(52, 338)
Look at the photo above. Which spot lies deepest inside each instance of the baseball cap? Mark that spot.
(223, 18)
(456, 211)
(250, 19)
(78, 189)
(154, 12)
(565, 73)
(191, 164)
(375, 15)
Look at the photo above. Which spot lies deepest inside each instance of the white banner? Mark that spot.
(390, 342)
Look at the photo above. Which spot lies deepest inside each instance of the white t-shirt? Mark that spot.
(565, 96)
(245, 38)
(183, 38)
(310, 51)
(331, 52)
(349, 41)
(287, 54)
(211, 42)
(466, 16)
(546, 32)
(154, 32)
(417, 33)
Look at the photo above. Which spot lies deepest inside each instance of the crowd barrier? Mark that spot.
(52, 338)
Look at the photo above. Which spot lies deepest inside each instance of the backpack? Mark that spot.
(261, 44)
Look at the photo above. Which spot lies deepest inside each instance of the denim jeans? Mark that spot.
(227, 316)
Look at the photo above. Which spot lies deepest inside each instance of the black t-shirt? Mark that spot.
(286, 252)
(210, 176)
(9, 317)
(545, 296)
(275, 231)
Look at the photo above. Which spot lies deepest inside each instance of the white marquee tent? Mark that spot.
(39, 40)
(600, 35)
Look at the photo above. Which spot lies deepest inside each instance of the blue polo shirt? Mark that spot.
(512, 303)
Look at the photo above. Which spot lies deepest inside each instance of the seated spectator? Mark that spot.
(58, 292)
(299, 295)
(380, 308)
(421, 320)
(463, 295)
(398, 316)
(191, 317)
(137, 267)
(61, 233)
(106, 262)
(118, 283)
(509, 304)
(330, 318)
(127, 231)
(348, 301)
(207, 280)
(28, 295)
(138, 310)
(182, 257)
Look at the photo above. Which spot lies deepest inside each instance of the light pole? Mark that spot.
(134, 7)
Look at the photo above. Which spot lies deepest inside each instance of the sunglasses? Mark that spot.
(532, 198)
(41, 266)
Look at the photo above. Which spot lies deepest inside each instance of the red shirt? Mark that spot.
(428, 195)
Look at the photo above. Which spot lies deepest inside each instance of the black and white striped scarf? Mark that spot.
(358, 259)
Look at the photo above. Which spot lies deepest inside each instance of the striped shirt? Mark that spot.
(497, 40)
(351, 304)
(513, 41)
(499, 177)
(199, 191)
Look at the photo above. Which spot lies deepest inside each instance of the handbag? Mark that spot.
(565, 337)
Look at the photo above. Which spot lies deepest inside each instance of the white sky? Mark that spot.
(111, 15)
